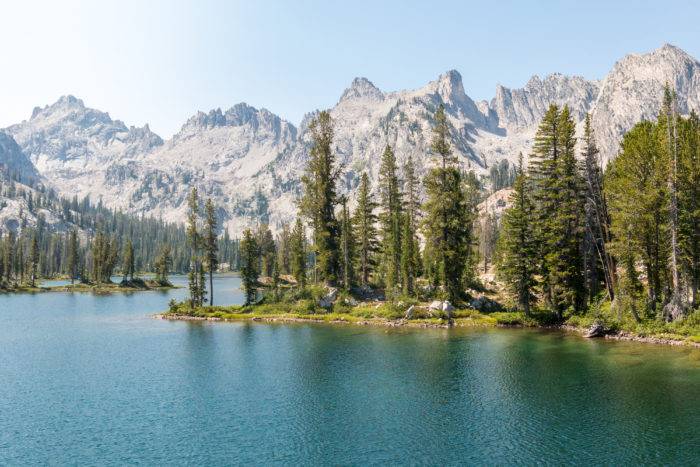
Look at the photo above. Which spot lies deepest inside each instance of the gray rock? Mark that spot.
(410, 312)
(596, 330)
(447, 308)
(332, 294)
(485, 304)
(435, 305)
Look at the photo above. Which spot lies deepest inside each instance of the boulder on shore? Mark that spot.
(435, 305)
(447, 308)
(485, 304)
(596, 330)
(327, 300)
(410, 312)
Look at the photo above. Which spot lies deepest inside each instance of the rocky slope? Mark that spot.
(633, 90)
(250, 160)
(13, 162)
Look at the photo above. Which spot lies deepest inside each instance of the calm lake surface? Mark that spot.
(87, 379)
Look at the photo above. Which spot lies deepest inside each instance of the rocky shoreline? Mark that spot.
(618, 336)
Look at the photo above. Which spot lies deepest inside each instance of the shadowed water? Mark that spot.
(94, 379)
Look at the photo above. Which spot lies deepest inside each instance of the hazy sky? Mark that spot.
(158, 62)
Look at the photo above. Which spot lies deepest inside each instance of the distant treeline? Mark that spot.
(88, 241)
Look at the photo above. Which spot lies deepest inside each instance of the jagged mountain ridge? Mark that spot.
(250, 160)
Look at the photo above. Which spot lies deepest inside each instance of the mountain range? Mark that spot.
(250, 160)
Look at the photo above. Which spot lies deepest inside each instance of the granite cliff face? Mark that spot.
(633, 90)
(250, 161)
(13, 162)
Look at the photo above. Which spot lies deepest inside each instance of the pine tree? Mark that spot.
(517, 264)
(637, 194)
(73, 258)
(390, 221)
(128, 261)
(249, 270)
(488, 238)
(266, 249)
(668, 121)
(364, 221)
(8, 256)
(543, 167)
(347, 247)
(211, 246)
(565, 263)
(472, 197)
(20, 259)
(34, 260)
(275, 279)
(559, 210)
(283, 249)
(163, 264)
(193, 238)
(202, 289)
(408, 256)
(298, 253)
(319, 200)
(689, 203)
(447, 224)
(412, 207)
(597, 220)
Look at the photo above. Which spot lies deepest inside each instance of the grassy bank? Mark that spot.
(684, 332)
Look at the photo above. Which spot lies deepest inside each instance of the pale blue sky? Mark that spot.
(158, 62)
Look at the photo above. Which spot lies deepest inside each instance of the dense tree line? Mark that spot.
(87, 242)
(377, 244)
(575, 235)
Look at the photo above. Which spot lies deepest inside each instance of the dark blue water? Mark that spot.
(96, 380)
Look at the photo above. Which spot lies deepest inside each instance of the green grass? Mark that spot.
(302, 306)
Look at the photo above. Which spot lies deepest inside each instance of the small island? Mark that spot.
(133, 285)
(573, 247)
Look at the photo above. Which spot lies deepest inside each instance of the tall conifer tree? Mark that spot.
(249, 270)
(364, 220)
(347, 247)
(211, 245)
(320, 199)
(298, 253)
(193, 238)
(390, 221)
(597, 220)
(128, 261)
(517, 264)
(447, 223)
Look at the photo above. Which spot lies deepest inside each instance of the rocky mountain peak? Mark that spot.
(633, 90)
(517, 109)
(450, 88)
(362, 88)
(240, 115)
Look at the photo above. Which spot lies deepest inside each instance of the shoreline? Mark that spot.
(86, 288)
(424, 324)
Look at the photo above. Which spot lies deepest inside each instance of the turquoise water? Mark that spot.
(88, 379)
